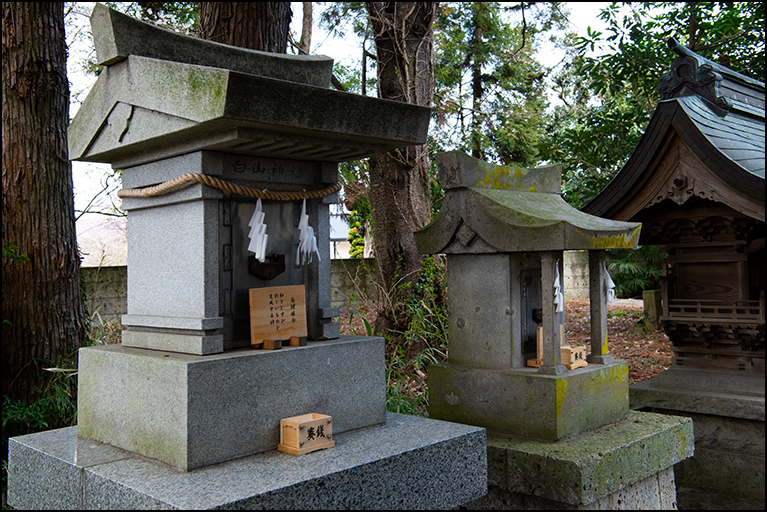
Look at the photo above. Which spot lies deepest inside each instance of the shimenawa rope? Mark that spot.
(193, 177)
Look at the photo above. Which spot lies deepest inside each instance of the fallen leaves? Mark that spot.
(647, 354)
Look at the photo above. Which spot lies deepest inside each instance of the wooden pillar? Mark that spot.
(552, 355)
(598, 302)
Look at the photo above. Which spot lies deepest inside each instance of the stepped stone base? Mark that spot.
(727, 471)
(628, 464)
(192, 411)
(409, 463)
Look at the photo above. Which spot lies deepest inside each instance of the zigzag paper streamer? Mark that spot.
(257, 235)
(609, 286)
(559, 296)
(307, 243)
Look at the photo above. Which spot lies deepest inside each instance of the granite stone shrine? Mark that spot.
(185, 413)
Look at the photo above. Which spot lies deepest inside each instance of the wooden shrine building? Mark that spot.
(696, 183)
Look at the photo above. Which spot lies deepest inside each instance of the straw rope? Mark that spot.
(193, 177)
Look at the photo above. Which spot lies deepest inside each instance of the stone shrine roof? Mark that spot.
(498, 209)
(163, 94)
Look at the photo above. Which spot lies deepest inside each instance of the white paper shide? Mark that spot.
(257, 235)
(307, 243)
(559, 295)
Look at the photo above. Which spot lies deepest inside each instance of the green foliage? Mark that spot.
(633, 53)
(353, 175)
(368, 327)
(356, 235)
(351, 78)
(338, 17)
(609, 82)
(404, 394)
(424, 342)
(634, 271)
(12, 251)
(592, 142)
(56, 407)
(499, 114)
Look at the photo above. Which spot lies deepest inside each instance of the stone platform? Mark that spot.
(728, 469)
(527, 402)
(191, 411)
(625, 465)
(408, 463)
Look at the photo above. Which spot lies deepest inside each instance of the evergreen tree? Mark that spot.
(490, 99)
(610, 96)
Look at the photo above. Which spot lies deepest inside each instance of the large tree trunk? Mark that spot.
(400, 180)
(43, 312)
(261, 26)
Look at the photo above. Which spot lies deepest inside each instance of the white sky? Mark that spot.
(102, 239)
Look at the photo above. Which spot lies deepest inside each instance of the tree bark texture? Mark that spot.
(263, 26)
(306, 29)
(42, 297)
(400, 180)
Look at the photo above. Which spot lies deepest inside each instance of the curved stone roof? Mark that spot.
(496, 209)
(162, 94)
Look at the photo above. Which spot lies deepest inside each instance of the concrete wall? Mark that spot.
(107, 292)
(576, 280)
(352, 282)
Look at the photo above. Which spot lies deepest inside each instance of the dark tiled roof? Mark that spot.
(739, 137)
(720, 115)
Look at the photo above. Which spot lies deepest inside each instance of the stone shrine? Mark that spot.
(503, 230)
(203, 134)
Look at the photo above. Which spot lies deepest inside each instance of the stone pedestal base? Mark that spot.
(409, 463)
(727, 471)
(527, 402)
(624, 465)
(192, 411)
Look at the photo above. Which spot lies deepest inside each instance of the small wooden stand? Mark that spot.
(277, 314)
(538, 361)
(306, 433)
(297, 341)
(272, 344)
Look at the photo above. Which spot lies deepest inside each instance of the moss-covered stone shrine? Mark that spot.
(503, 230)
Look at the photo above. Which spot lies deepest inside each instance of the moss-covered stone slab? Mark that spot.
(525, 402)
(585, 468)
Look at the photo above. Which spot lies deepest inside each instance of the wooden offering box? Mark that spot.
(573, 357)
(306, 433)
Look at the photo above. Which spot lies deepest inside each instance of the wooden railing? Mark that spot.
(751, 311)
